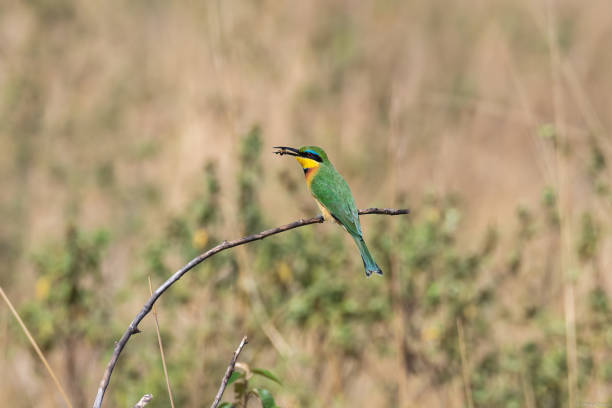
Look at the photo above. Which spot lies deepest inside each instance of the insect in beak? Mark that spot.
(287, 150)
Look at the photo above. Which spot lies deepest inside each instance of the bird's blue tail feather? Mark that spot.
(368, 262)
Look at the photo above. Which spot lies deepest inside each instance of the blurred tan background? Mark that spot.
(489, 119)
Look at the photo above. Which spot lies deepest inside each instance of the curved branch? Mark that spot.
(133, 327)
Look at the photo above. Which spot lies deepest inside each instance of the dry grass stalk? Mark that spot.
(161, 347)
(465, 371)
(563, 204)
(36, 348)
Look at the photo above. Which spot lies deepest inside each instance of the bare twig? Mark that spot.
(36, 348)
(161, 348)
(228, 372)
(144, 401)
(133, 327)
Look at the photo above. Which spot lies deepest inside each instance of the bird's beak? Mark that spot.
(287, 150)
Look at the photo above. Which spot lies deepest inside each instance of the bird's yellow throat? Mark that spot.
(310, 168)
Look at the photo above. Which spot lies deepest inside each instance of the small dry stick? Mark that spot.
(228, 373)
(161, 348)
(464, 368)
(36, 348)
(133, 327)
(144, 401)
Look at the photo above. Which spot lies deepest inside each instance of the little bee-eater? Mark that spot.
(332, 195)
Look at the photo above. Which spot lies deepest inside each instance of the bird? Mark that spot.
(333, 196)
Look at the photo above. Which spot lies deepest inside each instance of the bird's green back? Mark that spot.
(332, 191)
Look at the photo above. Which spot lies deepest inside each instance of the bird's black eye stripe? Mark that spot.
(314, 156)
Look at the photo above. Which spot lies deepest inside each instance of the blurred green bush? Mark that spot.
(309, 281)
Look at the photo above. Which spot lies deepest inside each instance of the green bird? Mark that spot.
(332, 195)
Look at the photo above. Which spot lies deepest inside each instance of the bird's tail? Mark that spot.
(368, 262)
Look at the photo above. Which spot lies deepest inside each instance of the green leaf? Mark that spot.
(235, 375)
(267, 401)
(267, 374)
(226, 405)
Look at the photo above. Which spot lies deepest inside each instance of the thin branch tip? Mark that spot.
(144, 401)
(228, 372)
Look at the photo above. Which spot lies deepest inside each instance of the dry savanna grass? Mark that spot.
(135, 135)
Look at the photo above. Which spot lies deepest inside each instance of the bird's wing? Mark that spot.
(330, 189)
